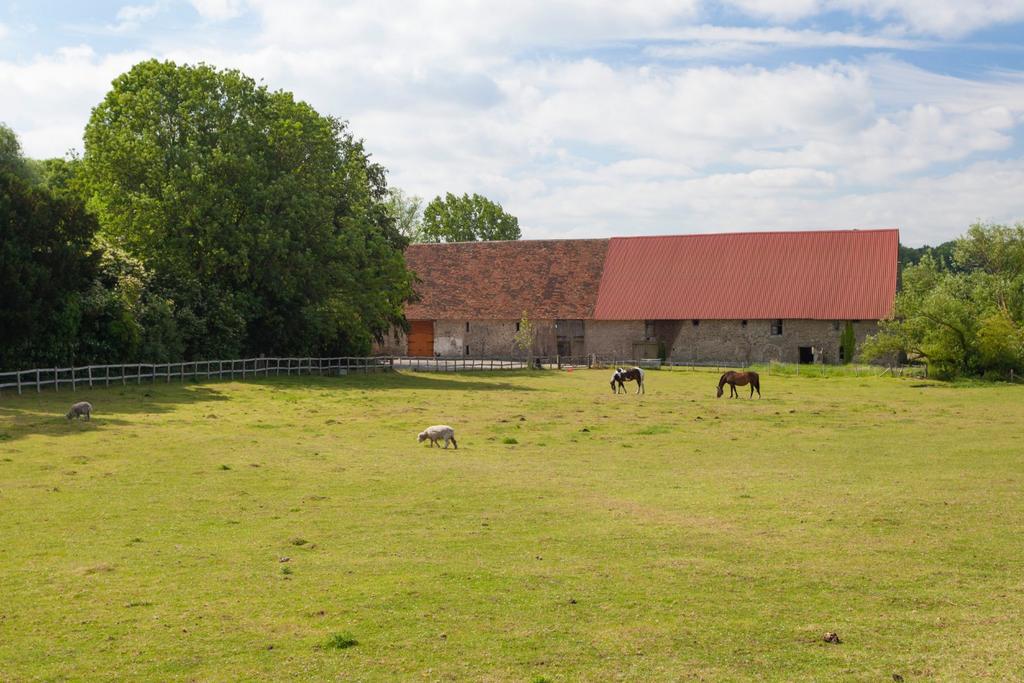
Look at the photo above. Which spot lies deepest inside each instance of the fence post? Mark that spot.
(107, 375)
(38, 383)
(89, 369)
(56, 380)
(19, 382)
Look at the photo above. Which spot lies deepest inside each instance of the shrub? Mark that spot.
(341, 641)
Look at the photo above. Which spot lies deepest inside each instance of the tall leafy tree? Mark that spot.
(468, 218)
(261, 220)
(943, 255)
(407, 212)
(46, 265)
(968, 319)
(848, 342)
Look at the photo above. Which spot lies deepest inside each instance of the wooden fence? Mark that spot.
(425, 364)
(135, 373)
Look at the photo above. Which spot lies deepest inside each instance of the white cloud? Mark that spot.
(730, 42)
(946, 18)
(130, 17)
(460, 98)
(48, 99)
(778, 10)
(219, 10)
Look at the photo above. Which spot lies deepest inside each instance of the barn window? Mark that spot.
(696, 323)
(743, 323)
(467, 349)
(467, 326)
(776, 328)
(649, 330)
(517, 327)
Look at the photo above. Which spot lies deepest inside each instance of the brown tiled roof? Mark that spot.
(548, 279)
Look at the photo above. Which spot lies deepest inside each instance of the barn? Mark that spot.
(731, 297)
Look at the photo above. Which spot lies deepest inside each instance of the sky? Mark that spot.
(592, 118)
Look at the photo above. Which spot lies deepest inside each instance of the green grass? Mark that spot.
(659, 537)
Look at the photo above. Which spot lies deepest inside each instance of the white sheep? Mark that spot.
(438, 432)
(80, 409)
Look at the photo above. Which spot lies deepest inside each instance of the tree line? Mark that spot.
(960, 306)
(207, 217)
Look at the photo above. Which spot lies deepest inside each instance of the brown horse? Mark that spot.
(742, 379)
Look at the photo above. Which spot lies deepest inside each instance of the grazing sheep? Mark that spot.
(438, 432)
(80, 409)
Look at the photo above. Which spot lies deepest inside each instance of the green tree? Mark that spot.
(12, 160)
(848, 342)
(261, 220)
(524, 336)
(467, 219)
(943, 255)
(47, 264)
(407, 212)
(965, 320)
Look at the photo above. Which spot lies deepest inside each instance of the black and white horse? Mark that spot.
(631, 375)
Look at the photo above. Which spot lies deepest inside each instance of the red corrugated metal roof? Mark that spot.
(817, 275)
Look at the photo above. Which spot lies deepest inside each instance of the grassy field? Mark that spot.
(574, 535)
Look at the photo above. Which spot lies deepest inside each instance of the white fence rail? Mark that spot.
(135, 373)
(105, 375)
(425, 364)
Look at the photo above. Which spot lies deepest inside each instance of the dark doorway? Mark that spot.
(806, 355)
(569, 337)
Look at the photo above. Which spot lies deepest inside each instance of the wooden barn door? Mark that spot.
(421, 338)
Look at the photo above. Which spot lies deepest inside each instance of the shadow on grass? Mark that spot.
(43, 413)
(479, 380)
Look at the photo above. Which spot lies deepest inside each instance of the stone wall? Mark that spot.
(485, 338)
(732, 341)
(711, 340)
(489, 338)
(613, 338)
(394, 343)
